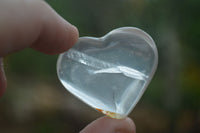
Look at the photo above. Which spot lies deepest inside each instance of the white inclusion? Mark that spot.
(104, 67)
(87, 60)
(132, 73)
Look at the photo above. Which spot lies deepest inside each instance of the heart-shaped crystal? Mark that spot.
(112, 72)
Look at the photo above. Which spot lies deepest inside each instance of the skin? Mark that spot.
(34, 24)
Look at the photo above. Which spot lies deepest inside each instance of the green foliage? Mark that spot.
(31, 63)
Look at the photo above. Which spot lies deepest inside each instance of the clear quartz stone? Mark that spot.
(110, 73)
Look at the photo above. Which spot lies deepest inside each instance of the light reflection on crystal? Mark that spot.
(110, 73)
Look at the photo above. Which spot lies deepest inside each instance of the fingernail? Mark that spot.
(132, 125)
(2, 78)
(128, 127)
(1, 66)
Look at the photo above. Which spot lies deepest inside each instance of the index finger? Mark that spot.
(33, 23)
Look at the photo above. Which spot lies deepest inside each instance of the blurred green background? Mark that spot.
(36, 102)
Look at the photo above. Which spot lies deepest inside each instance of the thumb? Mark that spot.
(110, 125)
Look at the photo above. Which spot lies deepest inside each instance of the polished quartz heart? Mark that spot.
(112, 72)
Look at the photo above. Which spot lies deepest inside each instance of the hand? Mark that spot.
(33, 23)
